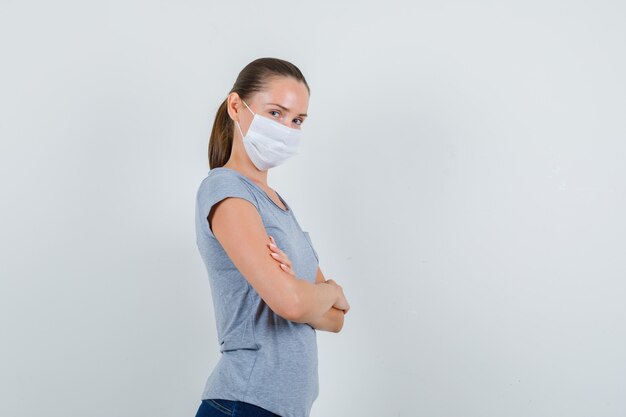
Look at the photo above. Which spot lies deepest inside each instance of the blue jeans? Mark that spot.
(221, 408)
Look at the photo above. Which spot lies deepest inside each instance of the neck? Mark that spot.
(249, 170)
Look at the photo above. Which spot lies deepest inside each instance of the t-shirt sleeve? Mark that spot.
(216, 188)
(311, 244)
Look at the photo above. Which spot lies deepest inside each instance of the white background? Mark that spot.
(462, 177)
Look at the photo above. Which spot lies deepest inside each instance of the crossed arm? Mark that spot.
(240, 230)
(331, 320)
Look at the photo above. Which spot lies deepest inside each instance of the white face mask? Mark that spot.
(269, 143)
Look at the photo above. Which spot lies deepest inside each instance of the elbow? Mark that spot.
(292, 313)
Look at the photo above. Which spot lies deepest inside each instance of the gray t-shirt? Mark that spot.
(265, 359)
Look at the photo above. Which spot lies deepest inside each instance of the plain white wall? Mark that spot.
(463, 177)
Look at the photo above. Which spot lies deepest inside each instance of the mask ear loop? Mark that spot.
(239, 127)
(237, 122)
(248, 107)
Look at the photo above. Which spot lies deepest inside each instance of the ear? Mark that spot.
(233, 105)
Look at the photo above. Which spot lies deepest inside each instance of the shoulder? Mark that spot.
(220, 184)
(222, 178)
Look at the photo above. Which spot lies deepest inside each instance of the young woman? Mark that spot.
(269, 294)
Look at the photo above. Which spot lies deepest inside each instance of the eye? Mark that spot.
(300, 120)
(274, 111)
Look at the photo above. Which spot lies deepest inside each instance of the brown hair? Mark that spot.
(251, 79)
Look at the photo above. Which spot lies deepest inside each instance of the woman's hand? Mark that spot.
(342, 303)
(281, 257)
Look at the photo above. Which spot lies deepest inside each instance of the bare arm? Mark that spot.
(239, 228)
(331, 320)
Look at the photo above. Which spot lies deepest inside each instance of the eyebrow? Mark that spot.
(285, 108)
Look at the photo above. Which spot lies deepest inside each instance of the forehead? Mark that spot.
(286, 91)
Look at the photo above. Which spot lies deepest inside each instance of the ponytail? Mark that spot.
(221, 140)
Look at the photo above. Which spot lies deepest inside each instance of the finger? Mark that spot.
(273, 247)
(273, 244)
(283, 262)
(276, 249)
(287, 269)
(280, 255)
